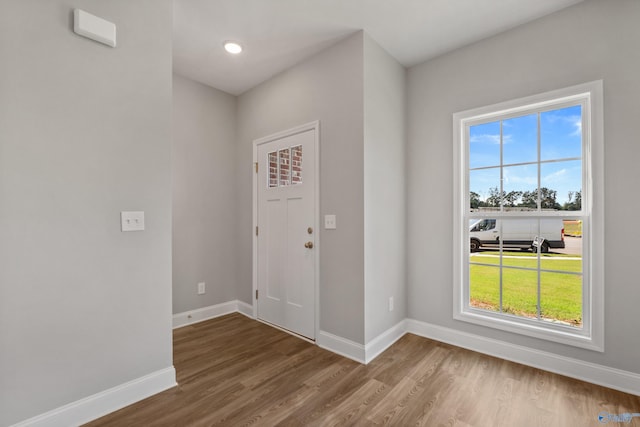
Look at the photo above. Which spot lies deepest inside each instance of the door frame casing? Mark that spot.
(315, 126)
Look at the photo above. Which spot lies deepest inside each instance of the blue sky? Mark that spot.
(560, 138)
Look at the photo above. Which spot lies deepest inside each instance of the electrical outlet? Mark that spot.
(201, 288)
(390, 303)
(132, 221)
(330, 222)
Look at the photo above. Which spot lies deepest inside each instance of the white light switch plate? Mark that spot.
(94, 27)
(330, 222)
(132, 221)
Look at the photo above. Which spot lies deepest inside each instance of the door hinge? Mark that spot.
(256, 165)
(256, 230)
(256, 294)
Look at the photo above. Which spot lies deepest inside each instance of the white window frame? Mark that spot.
(591, 335)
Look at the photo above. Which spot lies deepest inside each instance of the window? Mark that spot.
(285, 167)
(529, 235)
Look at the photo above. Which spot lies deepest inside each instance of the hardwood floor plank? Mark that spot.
(356, 406)
(234, 371)
(401, 395)
(428, 364)
(331, 395)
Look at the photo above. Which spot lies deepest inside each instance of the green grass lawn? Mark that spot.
(530, 260)
(560, 293)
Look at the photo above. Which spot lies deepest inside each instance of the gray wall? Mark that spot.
(384, 189)
(85, 132)
(592, 40)
(204, 194)
(329, 88)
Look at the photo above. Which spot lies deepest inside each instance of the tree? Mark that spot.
(529, 199)
(494, 197)
(511, 198)
(548, 198)
(574, 202)
(474, 200)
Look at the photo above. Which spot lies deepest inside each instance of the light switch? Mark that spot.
(94, 27)
(330, 222)
(132, 221)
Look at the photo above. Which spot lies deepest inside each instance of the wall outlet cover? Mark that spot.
(330, 222)
(132, 221)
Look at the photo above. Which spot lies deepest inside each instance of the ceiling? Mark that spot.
(277, 34)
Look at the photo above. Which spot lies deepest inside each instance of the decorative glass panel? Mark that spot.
(296, 164)
(285, 167)
(273, 169)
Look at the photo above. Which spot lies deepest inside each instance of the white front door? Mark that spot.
(286, 240)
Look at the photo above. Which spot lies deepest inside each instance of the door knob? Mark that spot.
(308, 245)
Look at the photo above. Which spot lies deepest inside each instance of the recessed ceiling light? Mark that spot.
(233, 47)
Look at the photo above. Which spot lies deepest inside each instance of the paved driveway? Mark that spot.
(573, 246)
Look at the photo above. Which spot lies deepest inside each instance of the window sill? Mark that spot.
(532, 328)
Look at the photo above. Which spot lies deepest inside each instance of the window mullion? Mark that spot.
(500, 269)
(278, 169)
(538, 231)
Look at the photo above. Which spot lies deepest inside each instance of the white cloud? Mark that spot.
(575, 121)
(490, 139)
(511, 179)
(485, 138)
(557, 176)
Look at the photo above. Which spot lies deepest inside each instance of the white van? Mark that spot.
(517, 233)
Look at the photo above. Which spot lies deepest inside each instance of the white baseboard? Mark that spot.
(342, 346)
(105, 402)
(383, 341)
(625, 381)
(100, 404)
(617, 379)
(97, 405)
(211, 312)
(246, 309)
(358, 352)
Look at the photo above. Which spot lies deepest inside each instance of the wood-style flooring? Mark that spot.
(234, 371)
